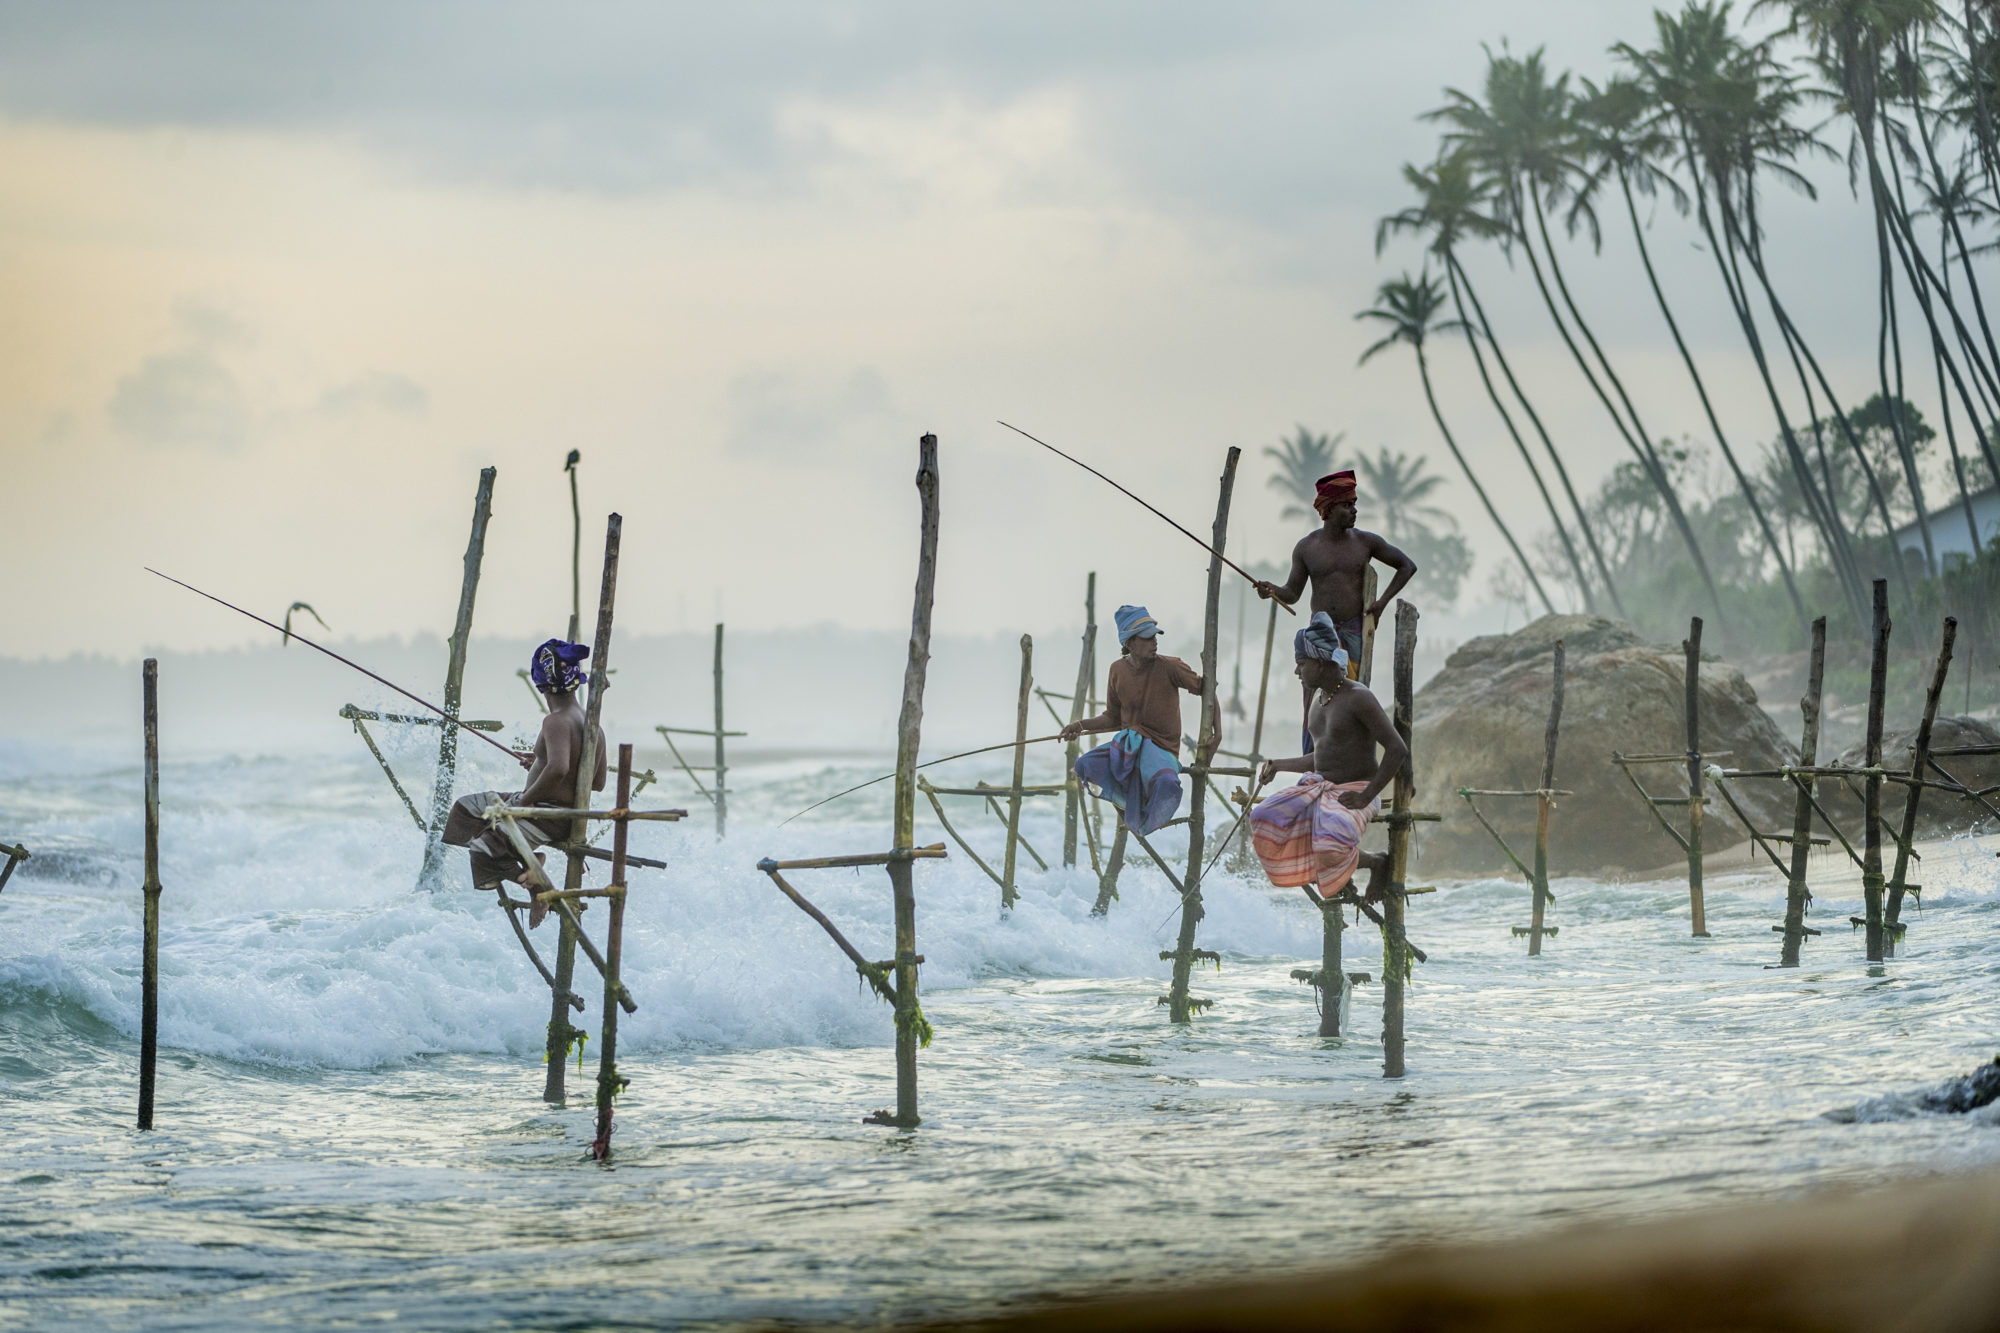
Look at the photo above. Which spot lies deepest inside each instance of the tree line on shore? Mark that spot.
(1704, 116)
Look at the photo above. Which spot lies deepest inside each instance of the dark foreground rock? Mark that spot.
(1480, 723)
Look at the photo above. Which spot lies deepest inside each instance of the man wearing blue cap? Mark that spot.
(557, 671)
(1139, 770)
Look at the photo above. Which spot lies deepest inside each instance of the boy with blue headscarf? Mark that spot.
(557, 671)
(1139, 770)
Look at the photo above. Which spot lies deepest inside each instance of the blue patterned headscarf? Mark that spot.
(1320, 641)
(558, 666)
(1135, 620)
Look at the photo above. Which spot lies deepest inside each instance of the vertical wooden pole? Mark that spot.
(1697, 907)
(721, 759)
(614, 943)
(1796, 893)
(1178, 1009)
(908, 729)
(560, 1031)
(1871, 790)
(1241, 856)
(1007, 894)
(149, 970)
(1395, 945)
(1920, 757)
(575, 548)
(1543, 804)
(1332, 969)
(1368, 590)
(454, 675)
(1073, 798)
(1107, 883)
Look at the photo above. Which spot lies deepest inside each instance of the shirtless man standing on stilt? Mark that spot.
(1335, 558)
(557, 670)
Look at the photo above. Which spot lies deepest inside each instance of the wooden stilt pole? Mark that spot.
(1073, 802)
(1697, 908)
(1333, 979)
(1395, 943)
(1179, 1008)
(1871, 800)
(721, 759)
(575, 553)
(1797, 896)
(1920, 759)
(1007, 894)
(1369, 587)
(608, 1082)
(454, 676)
(1107, 883)
(561, 1034)
(909, 726)
(149, 969)
(1544, 802)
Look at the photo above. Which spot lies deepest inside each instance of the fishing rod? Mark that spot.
(988, 749)
(295, 635)
(1177, 527)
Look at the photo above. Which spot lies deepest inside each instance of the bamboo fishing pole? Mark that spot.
(294, 634)
(988, 749)
(1176, 527)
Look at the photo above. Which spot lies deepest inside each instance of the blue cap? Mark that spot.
(1320, 641)
(1133, 621)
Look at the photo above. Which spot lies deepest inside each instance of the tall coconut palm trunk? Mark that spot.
(1708, 409)
(1819, 508)
(1648, 461)
(1424, 373)
(1887, 334)
(1457, 271)
(1479, 359)
(1949, 217)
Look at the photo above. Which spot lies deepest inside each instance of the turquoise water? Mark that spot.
(350, 1125)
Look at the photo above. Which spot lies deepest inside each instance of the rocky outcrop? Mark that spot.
(1480, 722)
(1939, 813)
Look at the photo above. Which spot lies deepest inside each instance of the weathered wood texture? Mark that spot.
(608, 1082)
(1797, 895)
(1544, 803)
(560, 1033)
(1697, 907)
(454, 676)
(1871, 843)
(149, 974)
(1920, 758)
(1395, 941)
(1008, 895)
(1179, 1008)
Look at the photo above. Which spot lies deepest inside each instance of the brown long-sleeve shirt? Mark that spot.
(1147, 698)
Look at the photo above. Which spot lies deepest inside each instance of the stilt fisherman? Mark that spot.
(556, 670)
(1139, 771)
(1335, 558)
(1310, 833)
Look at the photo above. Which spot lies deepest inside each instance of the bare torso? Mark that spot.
(558, 749)
(1337, 568)
(1344, 728)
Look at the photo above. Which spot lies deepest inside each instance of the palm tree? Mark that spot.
(1851, 40)
(1397, 482)
(1449, 210)
(1409, 306)
(1302, 460)
(1704, 87)
(1521, 137)
(1611, 133)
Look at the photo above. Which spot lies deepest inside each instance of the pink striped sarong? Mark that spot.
(1304, 835)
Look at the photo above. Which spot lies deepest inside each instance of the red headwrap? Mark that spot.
(1335, 488)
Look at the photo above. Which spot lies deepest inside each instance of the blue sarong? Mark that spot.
(1139, 776)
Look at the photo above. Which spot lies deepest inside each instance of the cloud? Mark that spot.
(376, 391)
(776, 415)
(182, 399)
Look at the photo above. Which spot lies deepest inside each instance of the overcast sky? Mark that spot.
(277, 280)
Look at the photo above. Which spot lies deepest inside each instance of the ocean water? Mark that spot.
(350, 1130)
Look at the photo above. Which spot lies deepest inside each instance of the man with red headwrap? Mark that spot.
(1335, 559)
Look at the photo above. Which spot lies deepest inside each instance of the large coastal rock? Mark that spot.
(1939, 813)
(1480, 722)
